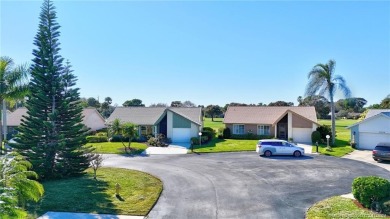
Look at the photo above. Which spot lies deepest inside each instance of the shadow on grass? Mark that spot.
(78, 194)
(212, 143)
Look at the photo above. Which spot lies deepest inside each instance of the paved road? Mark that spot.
(244, 185)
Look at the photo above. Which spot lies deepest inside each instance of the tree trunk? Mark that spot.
(333, 119)
(212, 117)
(5, 120)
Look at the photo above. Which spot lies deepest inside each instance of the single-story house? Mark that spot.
(179, 124)
(375, 128)
(91, 118)
(291, 122)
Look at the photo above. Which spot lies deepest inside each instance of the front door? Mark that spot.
(282, 131)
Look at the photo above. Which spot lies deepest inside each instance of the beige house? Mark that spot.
(295, 123)
(91, 118)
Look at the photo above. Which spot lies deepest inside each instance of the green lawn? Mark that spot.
(216, 124)
(338, 207)
(342, 146)
(226, 145)
(117, 147)
(139, 193)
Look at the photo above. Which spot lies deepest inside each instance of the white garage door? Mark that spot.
(370, 140)
(181, 135)
(302, 135)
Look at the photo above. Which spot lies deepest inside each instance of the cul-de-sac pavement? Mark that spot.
(244, 185)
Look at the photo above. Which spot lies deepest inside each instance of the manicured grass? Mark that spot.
(341, 146)
(216, 124)
(338, 207)
(226, 145)
(117, 147)
(139, 191)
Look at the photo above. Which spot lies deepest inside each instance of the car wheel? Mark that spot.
(297, 154)
(267, 153)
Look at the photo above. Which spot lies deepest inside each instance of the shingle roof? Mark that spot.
(265, 115)
(192, 113)
(373, 112)
(14, 119)
(380, 114)
(137, 115)
(151, 115)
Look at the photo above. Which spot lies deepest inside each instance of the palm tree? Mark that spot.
(13, 85)
(322, 80)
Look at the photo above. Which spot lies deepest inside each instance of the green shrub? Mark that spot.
(386, 206)
(226, 133)
(250, 136)
(220, 136)
(160, 141)
(211, 130)
(96, 139)
(195, 140)
(118, 138)
(368, 188)
(315, 137)
(220, 130)
(324, 131)
(102, 134)
(209, 135)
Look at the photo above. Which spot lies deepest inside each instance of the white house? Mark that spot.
(373, 129)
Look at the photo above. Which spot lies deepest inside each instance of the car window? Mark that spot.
(382, 148)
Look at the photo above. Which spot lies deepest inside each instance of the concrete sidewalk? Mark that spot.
(69, 215)
(171, 149)
(366, 156)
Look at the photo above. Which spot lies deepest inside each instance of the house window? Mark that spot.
(238, 129)
(263, 130)
(143, 130)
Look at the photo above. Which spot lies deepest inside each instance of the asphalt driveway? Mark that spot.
(244, 185)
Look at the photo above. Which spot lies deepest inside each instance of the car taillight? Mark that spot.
(374, 152)
(259, 145)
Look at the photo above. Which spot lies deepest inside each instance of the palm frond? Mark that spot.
(341, 84)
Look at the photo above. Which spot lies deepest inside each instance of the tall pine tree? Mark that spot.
(52, 135)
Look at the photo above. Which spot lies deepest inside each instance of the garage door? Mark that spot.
(181, 135)
(302, 135)
(370, 140)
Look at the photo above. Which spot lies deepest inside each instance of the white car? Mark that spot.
(271, 147)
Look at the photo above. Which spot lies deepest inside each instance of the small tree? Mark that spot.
(213, 110)
(96, 161)
(17, 185)
(115, 127)
(129, 130)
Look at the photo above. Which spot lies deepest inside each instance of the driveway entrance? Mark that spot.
(244, 185)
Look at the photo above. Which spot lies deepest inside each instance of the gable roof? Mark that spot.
(382, 114)
(193, 114)
(373, 112)
(137, 115)
(266, 115)
(151, 115)
(15, 118)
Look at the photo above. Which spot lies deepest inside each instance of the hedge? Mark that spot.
(368, 188)
(96, 139)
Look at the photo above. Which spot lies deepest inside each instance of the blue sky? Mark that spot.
(210, 52)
